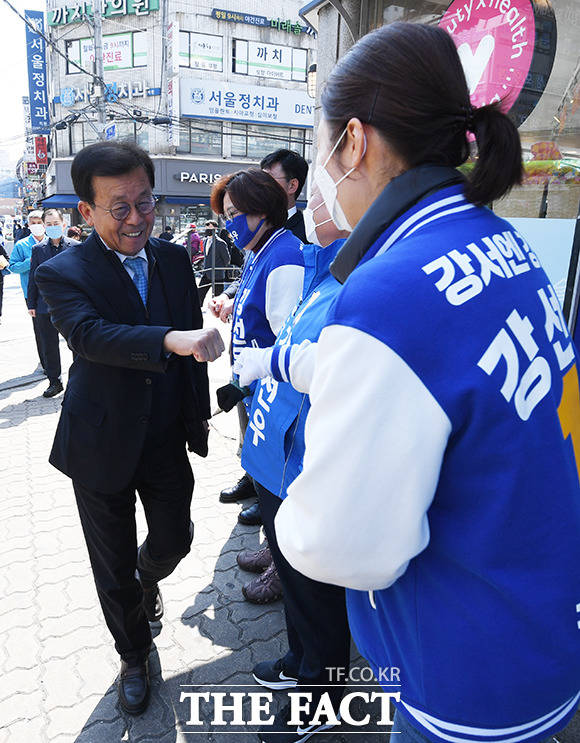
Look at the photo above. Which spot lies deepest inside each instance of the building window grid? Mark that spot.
(252, 141)
(186, 46)
(139, 51)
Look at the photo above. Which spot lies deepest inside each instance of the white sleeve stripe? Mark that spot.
(283, 363)
(528, 730)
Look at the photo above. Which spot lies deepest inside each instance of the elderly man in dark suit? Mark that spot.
(137, 393)
(53, 243)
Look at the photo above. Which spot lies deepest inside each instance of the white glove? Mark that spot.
(251, 364)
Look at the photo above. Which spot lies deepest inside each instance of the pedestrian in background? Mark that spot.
(75, 233)
(167, 233)
(194, 244)
(441, 477)
(3, 267)
(53, 243)
(215, 262)
(137, 392)
(20, 264)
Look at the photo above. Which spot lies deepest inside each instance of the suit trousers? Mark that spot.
(316, 619)
(164, 482)
(47, 343)
(203, 289)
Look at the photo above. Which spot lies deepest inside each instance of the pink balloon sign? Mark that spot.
(495, 40)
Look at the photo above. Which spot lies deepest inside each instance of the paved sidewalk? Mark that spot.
(57, 660)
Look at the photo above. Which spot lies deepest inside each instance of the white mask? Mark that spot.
(37, 229)
(310, 225)
(329, 189)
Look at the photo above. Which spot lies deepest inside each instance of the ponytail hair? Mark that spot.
(499, 163)
(406, 80)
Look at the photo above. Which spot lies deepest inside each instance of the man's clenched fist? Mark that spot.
(204, 345)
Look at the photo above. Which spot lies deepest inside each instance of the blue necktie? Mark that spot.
(137, 270)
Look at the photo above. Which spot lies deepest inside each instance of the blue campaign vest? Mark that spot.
(484, 625)
(250, 326)
(273, 448)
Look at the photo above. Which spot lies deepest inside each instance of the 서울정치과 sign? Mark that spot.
(497, 44)
(214, 99)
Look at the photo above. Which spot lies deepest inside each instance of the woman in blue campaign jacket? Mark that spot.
(440, 482)
(317, 625)
(255, 207)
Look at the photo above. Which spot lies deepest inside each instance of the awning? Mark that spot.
(61, 201)
(187, 200)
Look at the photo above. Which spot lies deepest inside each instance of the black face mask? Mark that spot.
(209, 233)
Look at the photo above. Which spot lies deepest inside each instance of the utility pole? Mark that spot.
(164, 58)
(99, 68)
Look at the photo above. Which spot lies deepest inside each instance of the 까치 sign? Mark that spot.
(507, 50)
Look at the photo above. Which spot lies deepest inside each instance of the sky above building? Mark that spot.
(13, 79)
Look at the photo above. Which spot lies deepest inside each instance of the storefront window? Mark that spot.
(200, 137)
(255, 141)
(532, 65)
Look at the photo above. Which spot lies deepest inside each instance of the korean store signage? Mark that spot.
(40, 151)
(75, 13)
(114, 91)
(270, 60)
(37, 78)
(206, 52)
(213, 99)
(259, 20)
(507, 49)
(117, 52)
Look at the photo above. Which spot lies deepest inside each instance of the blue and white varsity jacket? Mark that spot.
(269, 288)
(274, 442)
(446, 378)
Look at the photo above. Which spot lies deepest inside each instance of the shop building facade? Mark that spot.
(522, 52)
(232, 81)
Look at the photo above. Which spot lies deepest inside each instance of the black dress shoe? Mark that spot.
(53, 389)
(251, 516)
(244, 488)
(133, 687)
(152, 603)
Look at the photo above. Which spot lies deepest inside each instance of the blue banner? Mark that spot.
(37, 77)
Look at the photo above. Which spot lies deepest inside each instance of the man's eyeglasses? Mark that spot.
(122, 211)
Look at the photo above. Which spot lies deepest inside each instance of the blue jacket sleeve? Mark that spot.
(18, 263)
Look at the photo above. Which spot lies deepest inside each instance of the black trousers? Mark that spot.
(316, 619)
(47, 344)
(164, 482)
(203, 289)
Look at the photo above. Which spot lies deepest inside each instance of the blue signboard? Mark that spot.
(37, 78)
(111, 131)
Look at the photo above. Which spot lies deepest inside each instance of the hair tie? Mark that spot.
(470, 119)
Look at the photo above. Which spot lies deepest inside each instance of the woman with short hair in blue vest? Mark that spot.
(440, 483)
(255, 208)
(316, 620)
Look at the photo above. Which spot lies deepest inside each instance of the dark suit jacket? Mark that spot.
(108, 400)
(296, 225)
(41, 252)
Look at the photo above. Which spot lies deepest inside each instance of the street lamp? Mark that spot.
(311, 81)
